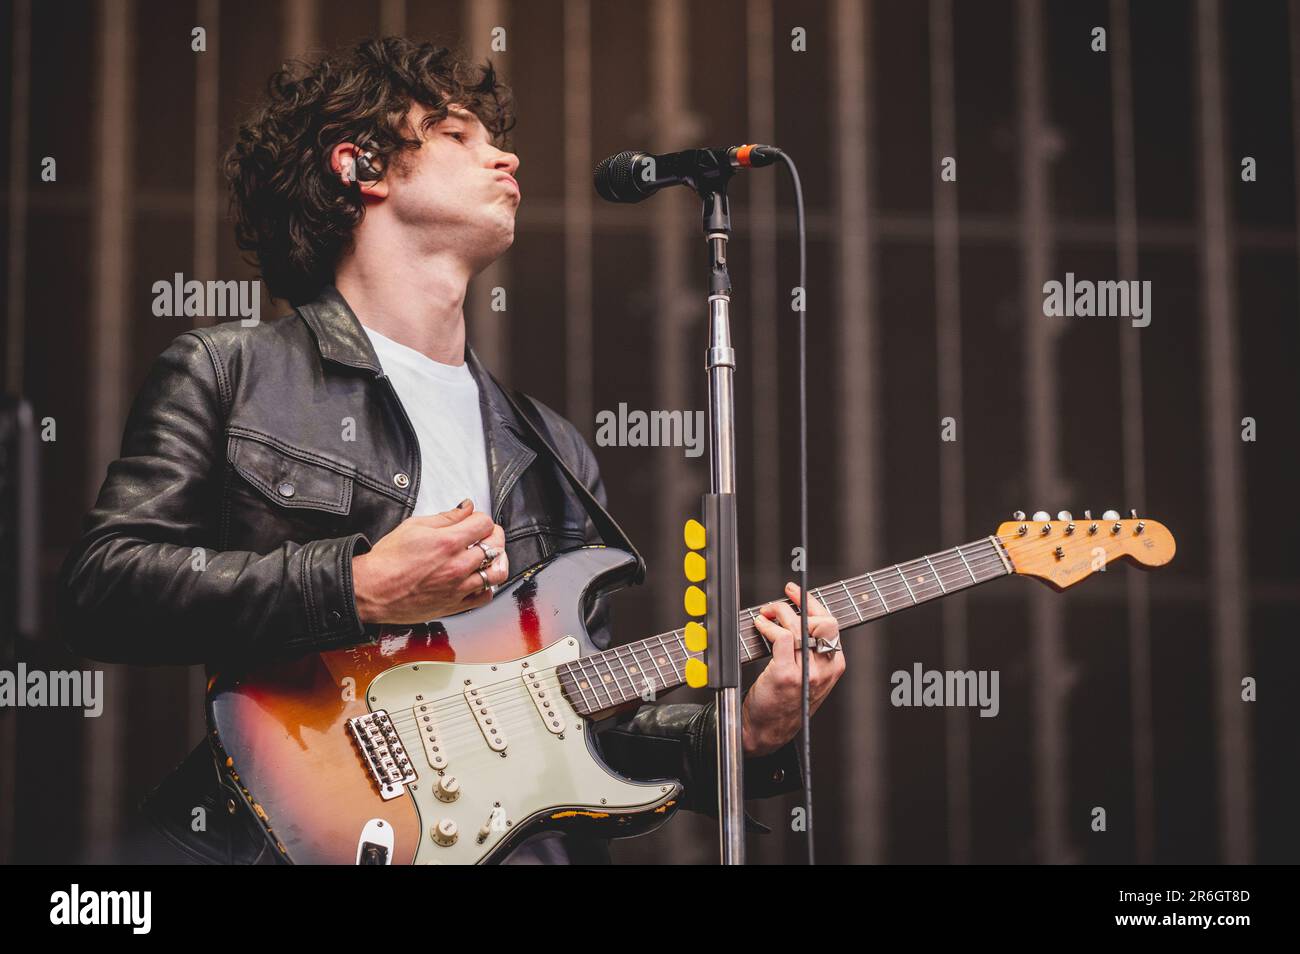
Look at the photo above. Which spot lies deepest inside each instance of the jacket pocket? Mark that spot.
(276, 493)
(288, 477)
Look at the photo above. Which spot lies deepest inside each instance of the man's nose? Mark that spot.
(506, 162)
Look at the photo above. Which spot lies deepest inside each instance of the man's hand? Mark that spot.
(427, 567)
(772, 713)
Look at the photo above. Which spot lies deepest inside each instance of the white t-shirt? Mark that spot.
(442, 402)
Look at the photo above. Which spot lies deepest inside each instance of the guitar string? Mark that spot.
(895, 588)
(504, 715)
(676, 652)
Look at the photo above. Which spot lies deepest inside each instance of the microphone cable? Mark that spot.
(805, 749)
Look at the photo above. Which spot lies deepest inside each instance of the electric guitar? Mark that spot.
(450, 742)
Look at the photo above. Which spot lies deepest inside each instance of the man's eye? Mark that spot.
(458, 136)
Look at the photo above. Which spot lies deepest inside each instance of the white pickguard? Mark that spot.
(541, 774)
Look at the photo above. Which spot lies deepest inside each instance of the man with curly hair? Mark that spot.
(349, 464)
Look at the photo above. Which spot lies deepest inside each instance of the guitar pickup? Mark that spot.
(545, 702)
(428, 726)
(487, 723)
(383, 752)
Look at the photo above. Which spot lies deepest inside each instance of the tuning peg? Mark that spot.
(1018, 515)
(1041, 516)
(1087, 515)
(1133, 514)
(1064, 516)
(1110, 515)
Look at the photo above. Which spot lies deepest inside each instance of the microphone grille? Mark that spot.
(615, 178)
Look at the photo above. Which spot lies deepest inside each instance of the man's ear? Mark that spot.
(343, 162)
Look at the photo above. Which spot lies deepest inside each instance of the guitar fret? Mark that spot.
(635, 674)
(601, 679)
(631, 691)
(656, 679)
(745, 651)
(589, 676)
(663, 683)
(578, 684)
(883, 602)
(852, 602)
(967, 565)
(905, 583)
(942, 588)
(668, 654)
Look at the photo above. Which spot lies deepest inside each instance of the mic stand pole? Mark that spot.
(719, 512)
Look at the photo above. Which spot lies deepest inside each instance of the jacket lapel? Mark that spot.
(341, 339)
(507, 454)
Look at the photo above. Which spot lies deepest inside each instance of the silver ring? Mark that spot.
(487, 584)
(828, 647)
(489, 554)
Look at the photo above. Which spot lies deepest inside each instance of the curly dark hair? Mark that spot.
(290, 210)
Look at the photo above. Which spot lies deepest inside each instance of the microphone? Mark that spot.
(633, 176)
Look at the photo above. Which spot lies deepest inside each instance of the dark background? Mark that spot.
(925, 302)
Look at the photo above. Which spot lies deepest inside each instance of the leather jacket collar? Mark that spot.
(341, 339)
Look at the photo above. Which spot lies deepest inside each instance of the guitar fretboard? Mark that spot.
(637, 671)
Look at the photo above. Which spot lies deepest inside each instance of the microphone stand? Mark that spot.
(719, 512)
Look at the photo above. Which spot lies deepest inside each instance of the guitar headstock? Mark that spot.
(1065, 550)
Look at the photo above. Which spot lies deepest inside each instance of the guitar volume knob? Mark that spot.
(448, 788)
(445, 833)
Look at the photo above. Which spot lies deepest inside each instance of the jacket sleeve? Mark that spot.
(675, 740)
(144, 583)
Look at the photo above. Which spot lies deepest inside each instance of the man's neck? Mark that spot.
(422, 307)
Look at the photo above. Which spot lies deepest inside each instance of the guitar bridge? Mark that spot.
(383, 752)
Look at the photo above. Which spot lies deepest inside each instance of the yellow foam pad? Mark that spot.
(696, 603)
(697, 637)
(694, 534)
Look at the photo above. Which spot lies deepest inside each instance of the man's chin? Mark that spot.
(491, 251)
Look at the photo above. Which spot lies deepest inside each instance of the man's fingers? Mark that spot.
(446, 517)
(782, 642)
(499, 571)
(497, 574)
(815, 607)
(787, 616)
(466, 530)
(474, 527)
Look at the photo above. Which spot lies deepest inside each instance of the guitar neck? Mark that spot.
(640, 670)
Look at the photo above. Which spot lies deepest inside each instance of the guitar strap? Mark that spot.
(611, 533)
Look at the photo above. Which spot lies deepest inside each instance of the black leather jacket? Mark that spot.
(226, 416)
